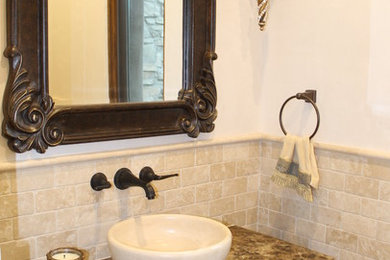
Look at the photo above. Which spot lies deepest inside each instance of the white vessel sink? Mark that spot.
(169, 236)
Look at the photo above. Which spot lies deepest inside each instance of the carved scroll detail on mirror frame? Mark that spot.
(26, 111)
(32, 121)
(203, 97)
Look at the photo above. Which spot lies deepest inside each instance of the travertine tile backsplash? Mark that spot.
(350, 217)
(47, 207)
(51, 206)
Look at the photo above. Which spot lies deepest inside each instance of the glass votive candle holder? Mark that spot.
(66, 253)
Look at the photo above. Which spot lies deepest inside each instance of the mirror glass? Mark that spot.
(148, 31)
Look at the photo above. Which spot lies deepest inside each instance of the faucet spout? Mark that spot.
(149, 191)
(124, 179)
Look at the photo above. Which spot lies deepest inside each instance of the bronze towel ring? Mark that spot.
(308, 96)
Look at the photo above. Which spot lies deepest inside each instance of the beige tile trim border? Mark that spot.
(337, 148)
(7, 166)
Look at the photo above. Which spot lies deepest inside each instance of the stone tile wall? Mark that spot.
(47, 207)
(51, 206)
(350, 217)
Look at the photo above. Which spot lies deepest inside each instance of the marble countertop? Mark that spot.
(250, 245)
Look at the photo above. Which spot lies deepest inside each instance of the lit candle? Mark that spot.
(66, 254)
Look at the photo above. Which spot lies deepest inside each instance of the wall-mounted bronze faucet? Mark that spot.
(124, 179)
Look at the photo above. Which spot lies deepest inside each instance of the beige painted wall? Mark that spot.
(354, 227)
(339, 48)
(325, 45)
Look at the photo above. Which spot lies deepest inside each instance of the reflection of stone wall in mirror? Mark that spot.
(173, 48)
(153, 50)
(140, 50)
(78, 51)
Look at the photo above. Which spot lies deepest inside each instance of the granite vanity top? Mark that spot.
(250, 245)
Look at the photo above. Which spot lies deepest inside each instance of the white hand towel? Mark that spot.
(307, 160)
(302, 176)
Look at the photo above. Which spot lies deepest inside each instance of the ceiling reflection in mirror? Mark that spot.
(80, 54)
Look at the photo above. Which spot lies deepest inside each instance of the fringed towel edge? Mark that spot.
(291, 181)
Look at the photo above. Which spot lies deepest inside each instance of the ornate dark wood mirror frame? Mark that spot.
(31, 121)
